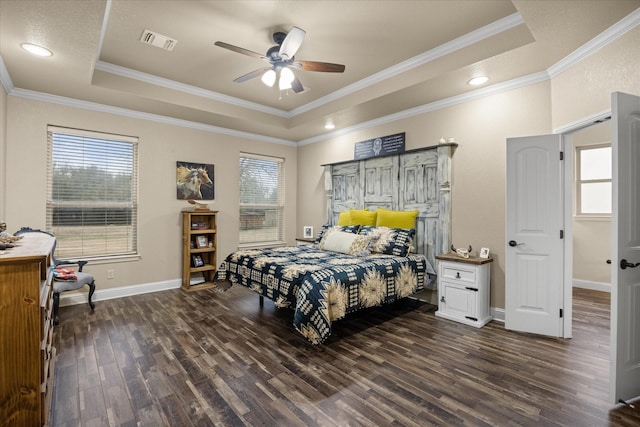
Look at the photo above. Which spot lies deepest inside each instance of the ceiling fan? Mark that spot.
(282, 60)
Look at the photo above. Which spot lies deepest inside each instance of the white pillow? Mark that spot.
(347, 243)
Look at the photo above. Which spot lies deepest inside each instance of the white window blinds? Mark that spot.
(261, 199)
(92, 193)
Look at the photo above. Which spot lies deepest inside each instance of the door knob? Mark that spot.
(624, 264)
(513, 243)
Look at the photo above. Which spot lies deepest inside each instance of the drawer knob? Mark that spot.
(457, 275)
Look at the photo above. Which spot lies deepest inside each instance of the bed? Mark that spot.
(324, 282)
(323, 286)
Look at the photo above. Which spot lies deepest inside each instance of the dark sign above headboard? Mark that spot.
(378, 147)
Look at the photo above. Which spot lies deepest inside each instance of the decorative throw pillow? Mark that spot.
(363, 217)
(396, 219)
(346, 243)
(390, 241)
(344, 218)
(347, 228)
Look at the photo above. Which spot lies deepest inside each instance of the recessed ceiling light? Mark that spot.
(329, 126)
(476, 81)
(36, 50)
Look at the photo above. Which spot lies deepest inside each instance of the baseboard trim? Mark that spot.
(497, 314)
(594, 286)
(80, 297)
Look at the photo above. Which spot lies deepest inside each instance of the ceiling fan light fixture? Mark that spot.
(477, 81)
(269, 78)
(35, 49)
(286, 78)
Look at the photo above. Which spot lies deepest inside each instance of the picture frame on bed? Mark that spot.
(307, 232)
(202, 242)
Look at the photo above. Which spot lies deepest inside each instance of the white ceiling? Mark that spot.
(399, 55)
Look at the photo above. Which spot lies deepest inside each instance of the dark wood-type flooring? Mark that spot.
(215, 358)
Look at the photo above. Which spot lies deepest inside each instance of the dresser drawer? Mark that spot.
(458, 272)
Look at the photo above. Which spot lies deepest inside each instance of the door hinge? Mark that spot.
(562, 155)
(560, 312)
(562, 234)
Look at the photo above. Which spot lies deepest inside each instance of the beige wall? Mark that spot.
(160, 146)
(585, 89)
(481, 128)
(582, 91)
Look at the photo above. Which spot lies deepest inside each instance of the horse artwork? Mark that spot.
(194, 181)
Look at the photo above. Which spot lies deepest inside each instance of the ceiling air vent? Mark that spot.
(158, 40)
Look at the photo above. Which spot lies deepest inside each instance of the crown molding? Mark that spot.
(5, 78)
(447, 48)
(87, 105)
(451, 46)
(437, 105)
(618, 29)
(181, 87)
(612, 33)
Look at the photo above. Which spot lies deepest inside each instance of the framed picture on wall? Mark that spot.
(307, 232)
(194, 181)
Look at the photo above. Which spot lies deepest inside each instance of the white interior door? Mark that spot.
(625, 253)
(534, 266)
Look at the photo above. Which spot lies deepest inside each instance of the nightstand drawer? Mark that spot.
(458, 272)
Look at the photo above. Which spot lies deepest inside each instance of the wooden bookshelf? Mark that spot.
(199, 246)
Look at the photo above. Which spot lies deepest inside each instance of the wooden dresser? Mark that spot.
(27, 355)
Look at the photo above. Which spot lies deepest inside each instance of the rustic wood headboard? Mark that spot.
(414, 180)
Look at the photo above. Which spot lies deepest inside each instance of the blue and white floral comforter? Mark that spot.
(325, 286)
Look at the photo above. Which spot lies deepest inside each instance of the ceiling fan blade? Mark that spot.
(326, 67)
(241, 50)
(296, 85)
(252, 75)
(291, 43)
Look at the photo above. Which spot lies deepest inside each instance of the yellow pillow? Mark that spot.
(344, 218)
(363, 217)
(396, 219)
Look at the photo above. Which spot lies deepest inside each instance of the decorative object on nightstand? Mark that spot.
(307, 232)
(199, 233)
(464, 289)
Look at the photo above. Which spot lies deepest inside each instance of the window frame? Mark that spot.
(578, 182)
(131, 204)
(279, 206)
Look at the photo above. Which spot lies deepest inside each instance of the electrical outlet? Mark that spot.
(111, 274)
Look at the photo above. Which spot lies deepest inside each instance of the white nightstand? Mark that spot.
(463, 289)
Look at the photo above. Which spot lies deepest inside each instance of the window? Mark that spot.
(92, 193)
(261, 199)
(593, 172)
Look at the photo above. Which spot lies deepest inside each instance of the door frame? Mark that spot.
(569, 179)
